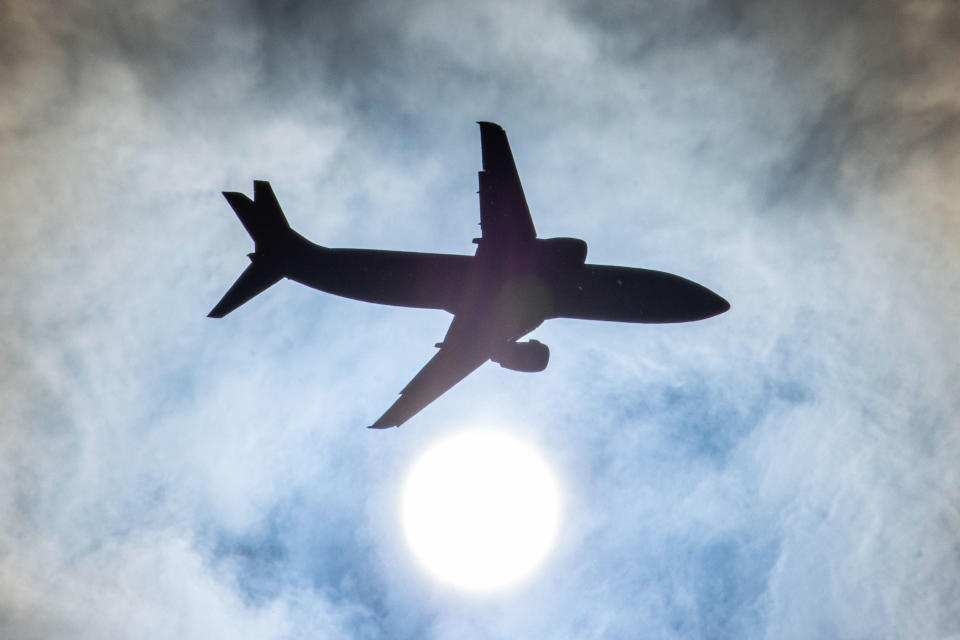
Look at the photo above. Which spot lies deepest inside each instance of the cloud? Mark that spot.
(783, 470)
(154, 585)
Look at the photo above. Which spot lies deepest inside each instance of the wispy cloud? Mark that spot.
(784, 470)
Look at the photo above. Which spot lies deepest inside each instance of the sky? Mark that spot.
(785, 470)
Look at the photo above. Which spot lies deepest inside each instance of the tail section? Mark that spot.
(271, 233)
(262, 216)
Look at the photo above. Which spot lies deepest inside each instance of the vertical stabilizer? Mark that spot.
(262, 217)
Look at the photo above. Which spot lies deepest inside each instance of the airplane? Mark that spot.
(507, 289)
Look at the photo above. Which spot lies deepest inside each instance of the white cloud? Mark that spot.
(786, 468)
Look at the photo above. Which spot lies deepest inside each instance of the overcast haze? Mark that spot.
(788, 469)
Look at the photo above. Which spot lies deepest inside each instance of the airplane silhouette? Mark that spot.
(511, 285)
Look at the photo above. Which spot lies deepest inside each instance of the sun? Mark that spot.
(480, 510)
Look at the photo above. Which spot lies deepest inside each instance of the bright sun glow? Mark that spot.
(480, 510)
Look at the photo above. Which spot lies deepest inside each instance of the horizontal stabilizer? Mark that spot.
(257, 278)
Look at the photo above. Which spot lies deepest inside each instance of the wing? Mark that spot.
(504, 216)
(506, 223)
(458, 357)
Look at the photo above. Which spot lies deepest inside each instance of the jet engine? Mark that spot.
(564, 251)
(530, 356)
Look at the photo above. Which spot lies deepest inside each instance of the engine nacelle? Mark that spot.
(564, 251)
(530, 356)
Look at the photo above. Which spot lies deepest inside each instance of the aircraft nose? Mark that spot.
(700, 303)
(710, 304)
(717, 304)
(666, 297)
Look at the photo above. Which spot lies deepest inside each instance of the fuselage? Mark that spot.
(535, 283)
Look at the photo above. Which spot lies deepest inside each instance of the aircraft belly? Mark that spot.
(400, 278)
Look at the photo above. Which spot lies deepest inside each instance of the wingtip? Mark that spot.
(487, 123)
(384, 422)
